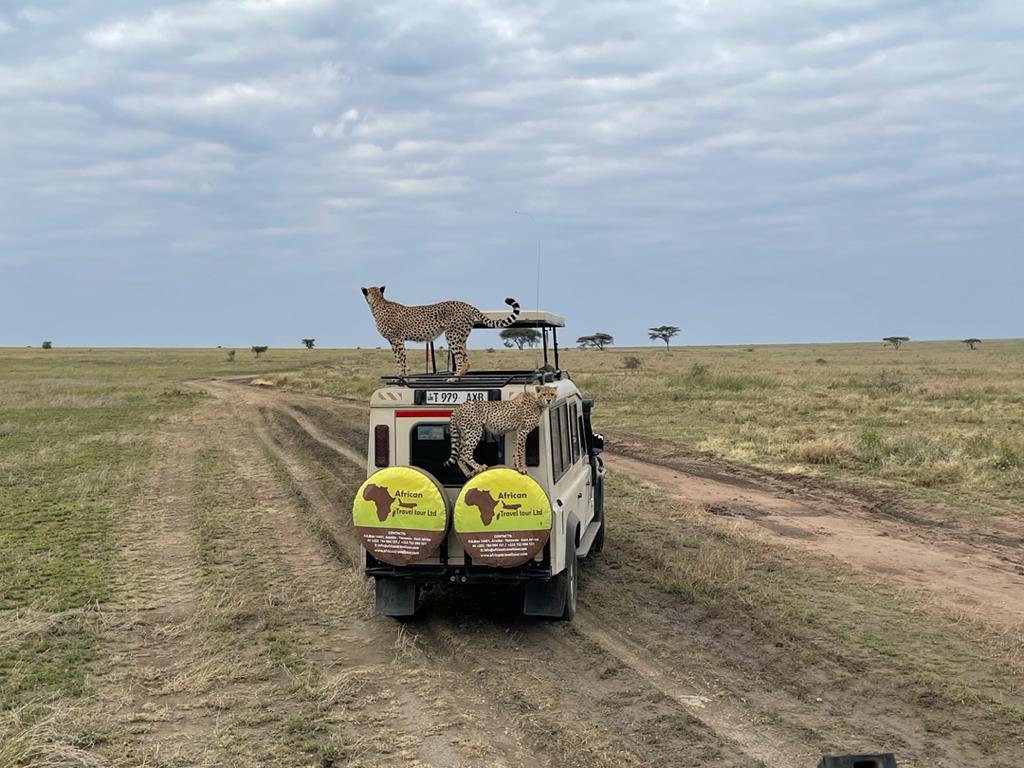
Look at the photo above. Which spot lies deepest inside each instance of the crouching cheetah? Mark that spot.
(521, 415)
(398, 324)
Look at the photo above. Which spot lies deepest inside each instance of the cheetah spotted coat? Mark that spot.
(520, 415)
(398, 324)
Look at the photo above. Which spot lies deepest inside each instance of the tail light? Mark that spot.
(381, 445)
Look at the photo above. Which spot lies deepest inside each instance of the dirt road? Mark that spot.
(251, 637)
(977, 572)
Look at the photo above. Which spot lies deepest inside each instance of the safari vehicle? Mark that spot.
(422, 522)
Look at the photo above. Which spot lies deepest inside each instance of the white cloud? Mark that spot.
(698, 127)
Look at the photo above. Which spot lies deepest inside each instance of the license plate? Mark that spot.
(453, 396)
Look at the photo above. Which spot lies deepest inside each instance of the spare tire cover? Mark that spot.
(400, 514)
(502, 518)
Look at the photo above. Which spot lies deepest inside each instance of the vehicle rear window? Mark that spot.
(532, 452)
(430, 445)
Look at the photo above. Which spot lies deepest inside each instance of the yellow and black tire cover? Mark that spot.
(401, 515)
(502, 518)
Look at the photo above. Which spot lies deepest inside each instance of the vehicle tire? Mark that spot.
(556, 597)
(571, 576)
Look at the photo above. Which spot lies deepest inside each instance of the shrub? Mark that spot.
(700, 377)
(632, 362)
(872, 448)
(1007, 457)
(828, 451)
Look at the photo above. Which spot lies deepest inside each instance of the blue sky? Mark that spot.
(231, 172)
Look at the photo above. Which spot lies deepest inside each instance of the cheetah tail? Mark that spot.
(506, 321)
(456, 440)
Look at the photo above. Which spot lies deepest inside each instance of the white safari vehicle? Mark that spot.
(421, 521)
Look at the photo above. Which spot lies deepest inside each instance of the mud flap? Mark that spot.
(548, 598)
(858, 761)
(397, 597)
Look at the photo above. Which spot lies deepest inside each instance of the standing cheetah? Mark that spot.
(398, 324)
(521, 415)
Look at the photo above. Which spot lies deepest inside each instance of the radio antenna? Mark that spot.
(536, 357)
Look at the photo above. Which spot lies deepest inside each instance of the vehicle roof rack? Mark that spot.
(473, 379)
(545, 321)
(527, 319)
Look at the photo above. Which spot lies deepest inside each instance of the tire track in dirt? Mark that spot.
(956, 574)
(498, 654)
(664, 708)
(757, 704)
(154, 641)
(341, 617)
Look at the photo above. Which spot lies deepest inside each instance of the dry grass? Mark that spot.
(77, 437)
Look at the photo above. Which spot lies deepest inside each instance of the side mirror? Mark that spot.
(597, 443)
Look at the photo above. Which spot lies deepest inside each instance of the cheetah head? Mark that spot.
(546, 394)
(373, 295)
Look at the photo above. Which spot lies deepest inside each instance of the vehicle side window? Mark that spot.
(574, 434)
(557, 469)
(563, 417)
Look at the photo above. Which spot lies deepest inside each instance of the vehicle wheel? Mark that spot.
(571, 574)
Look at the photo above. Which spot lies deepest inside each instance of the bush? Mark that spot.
(700, 377)
(828, 451)
(632, 362)
(872, 448)
(1007, 457)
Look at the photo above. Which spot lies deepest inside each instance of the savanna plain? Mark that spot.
(811, 549)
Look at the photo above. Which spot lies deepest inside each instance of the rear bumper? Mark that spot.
(464, 572)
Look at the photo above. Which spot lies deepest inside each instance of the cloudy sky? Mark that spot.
(231, 172)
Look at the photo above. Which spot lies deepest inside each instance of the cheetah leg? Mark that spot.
(470, 440)
(398, 347)
(457, 344)
(519, 457)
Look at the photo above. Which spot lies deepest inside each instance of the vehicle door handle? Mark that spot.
(579, 495)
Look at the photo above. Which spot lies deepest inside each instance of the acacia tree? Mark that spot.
(520, 337)
(596, 340)
(663, 333)
(896, 341)
(972, 343)
(259, 349)
(309, 343)
(47, 345)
